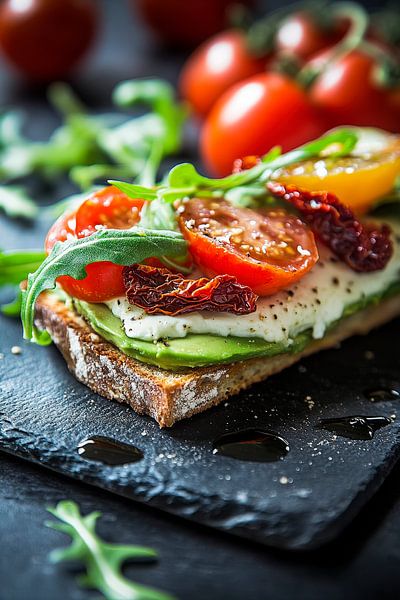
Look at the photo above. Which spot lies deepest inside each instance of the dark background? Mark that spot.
(194, 562)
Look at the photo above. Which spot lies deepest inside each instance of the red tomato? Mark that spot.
(63, 229)
(108, 208)
(186, 23)
(267, 250)
(46, 38)
(348, 94)
(253, 116)
(215, 66)
(103, 282)
(301, 35)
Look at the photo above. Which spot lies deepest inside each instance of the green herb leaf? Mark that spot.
(71, 257)
(16, 203)
(10, 128)
(64, 99)
(84, 176)
(103, 561)
(160, 96)
(134, 191)
(336, 143)
(158, 215)
(153, 92)
(13, 309)
(15, 265)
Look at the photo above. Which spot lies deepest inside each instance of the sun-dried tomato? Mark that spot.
(158, 291)
(364, 248)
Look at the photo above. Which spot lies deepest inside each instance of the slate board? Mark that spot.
(45, 413)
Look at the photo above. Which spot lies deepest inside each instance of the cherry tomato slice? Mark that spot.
(356, 180)
(103, 282)
(267, 250)
(63, 229)
(108, 208)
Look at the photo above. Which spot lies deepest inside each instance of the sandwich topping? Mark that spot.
(314, 303)
(363, 248)
(158, 291)
(247, 261)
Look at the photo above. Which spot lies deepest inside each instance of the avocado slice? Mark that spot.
(199, 350)
(194, 350)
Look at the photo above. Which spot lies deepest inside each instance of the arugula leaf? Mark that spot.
(84, 175)
(160, 96)
(158, 215)
(134, 191)
(122, 247)
(10, 128)
(184, 180)
(16, 203)
(103, 561)
(156, 93)
(63, 99)
(13, 309)
(91, 147)
(15, 265)
(336, 143)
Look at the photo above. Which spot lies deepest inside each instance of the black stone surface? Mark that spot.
(194, 562)
(301, 501)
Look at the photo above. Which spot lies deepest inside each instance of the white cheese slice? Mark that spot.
(315, 302)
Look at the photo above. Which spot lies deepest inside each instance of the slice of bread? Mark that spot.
(170, 396)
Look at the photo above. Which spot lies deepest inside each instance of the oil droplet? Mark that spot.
(355, 427)
(109, 451)
(252, 444)
(382, 394)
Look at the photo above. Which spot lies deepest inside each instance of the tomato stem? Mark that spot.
(387, 71)
(359, 22)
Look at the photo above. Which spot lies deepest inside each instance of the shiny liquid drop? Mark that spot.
(382, 394)
(109, 451)
(253, 445)
(355, 428)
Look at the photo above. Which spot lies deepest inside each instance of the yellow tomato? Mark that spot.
(358, 181)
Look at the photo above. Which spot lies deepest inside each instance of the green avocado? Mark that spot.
(194, 350)
(197, 350)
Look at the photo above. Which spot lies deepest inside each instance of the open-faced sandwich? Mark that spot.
(172, 297)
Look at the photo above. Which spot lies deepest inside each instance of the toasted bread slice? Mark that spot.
(170, 396)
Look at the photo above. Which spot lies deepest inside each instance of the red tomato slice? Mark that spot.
(267, 250)
(103, 282)
(108, 208)
(63, 229)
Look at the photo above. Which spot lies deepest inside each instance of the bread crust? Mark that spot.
(171, 396)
